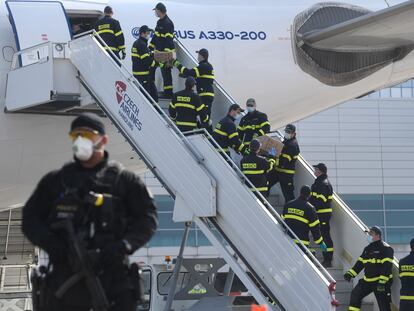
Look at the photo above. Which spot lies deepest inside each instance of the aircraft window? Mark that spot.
(146, 282)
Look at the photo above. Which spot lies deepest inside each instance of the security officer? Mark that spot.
(186, 107)
(253, 124)
(376, 259)
(204, 73)
(256, 167)
(143, 63)
(110, 31)
(321, 199)
(225, 133)
(301, 217)
(285, 169)
(407, 281)
(124, 222)
(163, 41)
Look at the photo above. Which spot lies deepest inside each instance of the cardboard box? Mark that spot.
(165, 57)
(267, 144)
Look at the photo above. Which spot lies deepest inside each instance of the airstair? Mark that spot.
(245, 229)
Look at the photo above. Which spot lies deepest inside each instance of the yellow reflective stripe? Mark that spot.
(206, 94)
(315, 223)
(185, 105)
(260, 189)
(186, 123)
(207, 76)
(320, 196)
(233, 135)
(162, 35)
(202, 106)
(168, 87)
(352, 272)
(253, 172)
(319, 241)
(152, 45)
(121, 47)
(224, 149)
(303, 242)
(145, 55)
(111, 48)
(105, 31)
(282, 170)
(197, 72)
(404, 274)
(383, 277)
(391, 260)
(324, 210)
(140, 73)
(288, 216)
(172, 105)
(240, 147)
(330, 249)
(264, 123)
(371, 279)
(407, 297)
(135, 55)
(284, 155)
(262, 132)
(354, 309)
(375, 261)
(220, 132)
(118, 33)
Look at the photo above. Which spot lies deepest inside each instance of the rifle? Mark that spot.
(82, 267)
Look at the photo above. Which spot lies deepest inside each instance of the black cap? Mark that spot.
(305, 191)
(108, 10)
(290, 128)
(235, 107)
(144, 28)
(190, 82)
(160, 7)
(255, 145)
(377, 230)
(203, 52)
(322, 167)
(412, 244)
(88, 120)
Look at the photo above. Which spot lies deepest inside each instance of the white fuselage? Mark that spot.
(250, 49)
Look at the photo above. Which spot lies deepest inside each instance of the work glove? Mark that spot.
(323, 247)
(381, 286)
(57, 250)
(123, 54)
(113, 254)
(176, 63)
(348, 277)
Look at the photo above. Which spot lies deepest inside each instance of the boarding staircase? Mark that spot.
(245, 229)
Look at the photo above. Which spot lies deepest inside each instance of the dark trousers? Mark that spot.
(325, 218)
(406, 305)
(167, 78)
(123, 301)
(363, 289)
(208, 102)
(149, 85)
(286, 183)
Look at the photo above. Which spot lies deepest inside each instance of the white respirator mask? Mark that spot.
(370, 239)
(238, 117)
(251, 109)
(83, 148)
(288, 136)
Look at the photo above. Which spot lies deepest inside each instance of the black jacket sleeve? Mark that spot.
(141, 211)
(36, 212)
(315, 226)
(119, 35)
(387, 262)
(359, 265)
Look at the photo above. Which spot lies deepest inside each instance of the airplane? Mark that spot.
(295, 57)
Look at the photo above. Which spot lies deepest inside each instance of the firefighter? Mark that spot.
(125, 221)
(256, 167)
(186, 107)
(285, 169)
(163, 41)
(302, 218)
(204, 73)
(321, 199)
(143, 63)
(407, 281)
(253, 124)
(110, 31)
(376, 259)
(225, 133)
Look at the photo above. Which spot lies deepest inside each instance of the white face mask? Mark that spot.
(83, 148)
(156, 14)
(238, 116)
(250, 109)
(370, 239)
(287, 135)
